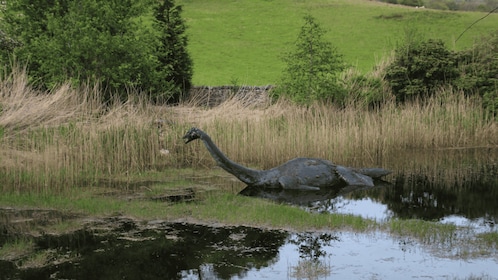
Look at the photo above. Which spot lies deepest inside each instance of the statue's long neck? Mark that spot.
(246, 175)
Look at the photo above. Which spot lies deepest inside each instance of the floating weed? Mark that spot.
(477, 277)
(484, 244)
(447, 240)
(63, 226)
(234, 209)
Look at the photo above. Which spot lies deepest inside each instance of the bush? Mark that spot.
(413, 3)
(420, 68)
(365, 90)
(312, 68)
(479, 71)
(93, 41)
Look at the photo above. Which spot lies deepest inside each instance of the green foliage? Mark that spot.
(312, 67)
(420, 68)
(93, 41)
(366, 90)
(7, 44)
(174, 61)
(413, 3)
(479, 71)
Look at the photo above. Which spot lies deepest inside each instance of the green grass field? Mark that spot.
(241, 42)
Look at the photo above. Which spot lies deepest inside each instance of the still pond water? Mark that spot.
(456, 186)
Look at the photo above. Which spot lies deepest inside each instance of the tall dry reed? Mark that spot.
(56, 140)
(268, 136)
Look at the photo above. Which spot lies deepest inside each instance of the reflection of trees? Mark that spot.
(310, 244)
(430, 193)
(167, 253)
(431, 197)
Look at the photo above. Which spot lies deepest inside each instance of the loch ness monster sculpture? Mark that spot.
(298, 173)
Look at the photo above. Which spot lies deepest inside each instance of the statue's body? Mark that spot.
(298, 173)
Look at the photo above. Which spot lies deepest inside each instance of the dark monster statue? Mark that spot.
(298, 173)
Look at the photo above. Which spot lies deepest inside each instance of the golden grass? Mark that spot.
(64, 138)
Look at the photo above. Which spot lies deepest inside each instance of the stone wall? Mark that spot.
(214, 96)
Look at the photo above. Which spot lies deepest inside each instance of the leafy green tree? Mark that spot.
(7, 45)
(96, 41)
(174, 61)
(312, 68)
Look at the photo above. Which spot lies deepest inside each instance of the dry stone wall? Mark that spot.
(214, 96)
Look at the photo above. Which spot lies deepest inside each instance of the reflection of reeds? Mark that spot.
(66, 137)
(447, 168)
(310, 269)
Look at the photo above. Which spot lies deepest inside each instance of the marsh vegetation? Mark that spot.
(68, 151)
(74, 168)
(67, 139)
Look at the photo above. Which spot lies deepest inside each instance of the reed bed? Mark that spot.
(267, 136)
(56, 140)
(65, 138)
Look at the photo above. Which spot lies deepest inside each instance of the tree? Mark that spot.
(312, 67)
(96, 41)
(174, 61)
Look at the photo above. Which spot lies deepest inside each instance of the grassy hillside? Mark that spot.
(241, 42)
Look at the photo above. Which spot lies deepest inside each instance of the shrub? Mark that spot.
(365, 90)
(419, 68)
(479, 71)
(94, 41)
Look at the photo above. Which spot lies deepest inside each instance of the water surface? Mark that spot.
(448, 186)
(457, 186)
(162, 250)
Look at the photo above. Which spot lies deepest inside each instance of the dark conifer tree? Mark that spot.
(175, 64)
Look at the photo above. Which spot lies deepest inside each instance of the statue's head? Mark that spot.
(192, 134)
